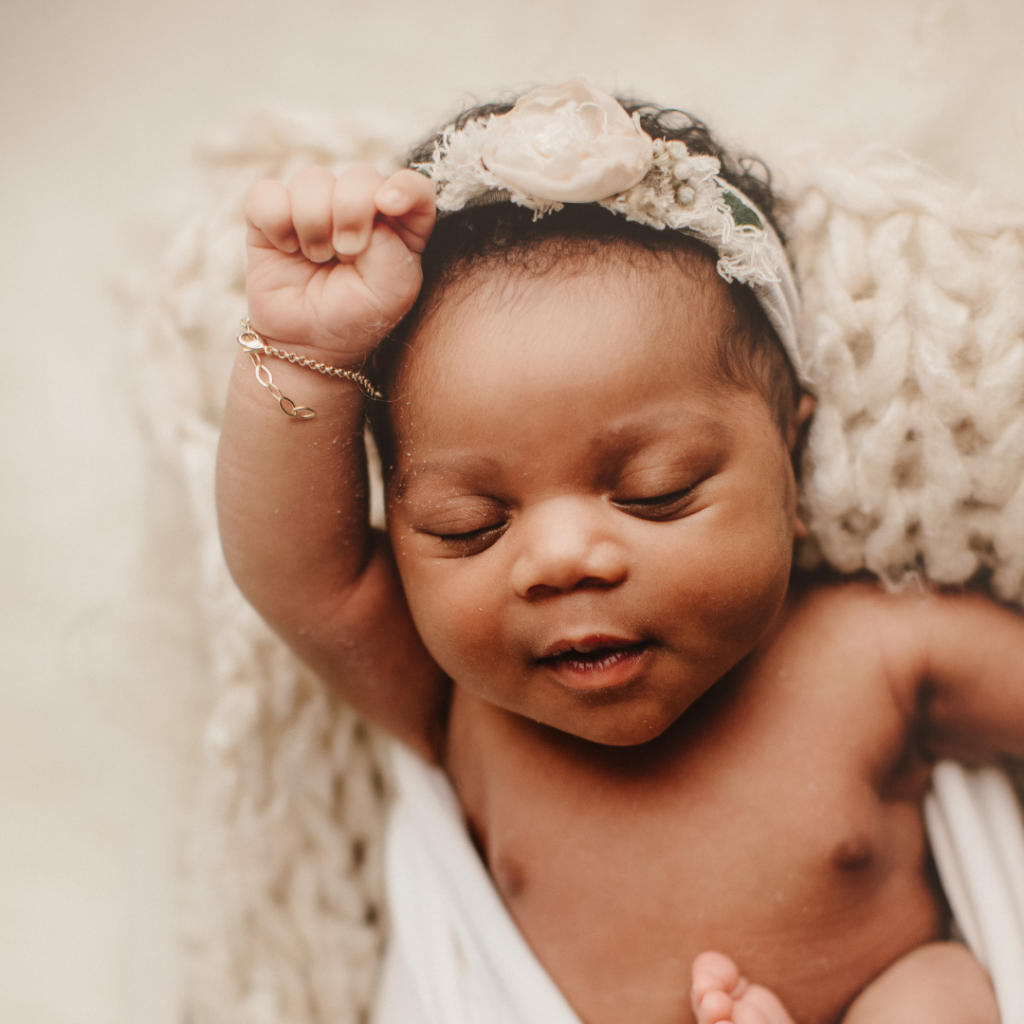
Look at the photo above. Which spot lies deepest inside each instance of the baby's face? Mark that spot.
(590, 526)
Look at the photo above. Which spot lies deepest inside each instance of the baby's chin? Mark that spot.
(618, 726)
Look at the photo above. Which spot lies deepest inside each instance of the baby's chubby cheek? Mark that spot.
(459, 634)
(470, 647)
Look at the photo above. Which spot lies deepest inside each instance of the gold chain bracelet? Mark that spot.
(255, 346)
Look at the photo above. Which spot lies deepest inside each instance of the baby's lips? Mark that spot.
(589, 643)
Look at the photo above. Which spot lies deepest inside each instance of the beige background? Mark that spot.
(101, 680)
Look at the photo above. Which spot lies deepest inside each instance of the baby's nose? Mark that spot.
(566, 546)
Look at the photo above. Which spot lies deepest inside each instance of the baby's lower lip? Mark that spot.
(601, 668)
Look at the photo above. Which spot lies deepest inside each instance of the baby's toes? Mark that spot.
(760, 1006)
(715, 1008)
(715, 984)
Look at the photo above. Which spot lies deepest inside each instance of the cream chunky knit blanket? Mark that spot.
(914, 470)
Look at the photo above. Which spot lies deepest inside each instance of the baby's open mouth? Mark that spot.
(592, 655)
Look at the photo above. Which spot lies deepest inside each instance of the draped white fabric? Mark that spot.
(977, 837)
(455, 955)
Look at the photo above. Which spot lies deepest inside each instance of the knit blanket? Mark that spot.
(913, 330)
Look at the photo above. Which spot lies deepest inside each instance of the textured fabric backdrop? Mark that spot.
(104, 684)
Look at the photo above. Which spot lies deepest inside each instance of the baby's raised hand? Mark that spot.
(334, 261)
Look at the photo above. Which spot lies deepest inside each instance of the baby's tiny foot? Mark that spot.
(721, 995)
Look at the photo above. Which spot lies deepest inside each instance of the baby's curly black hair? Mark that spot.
(510, 236)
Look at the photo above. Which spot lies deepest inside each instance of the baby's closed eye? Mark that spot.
(659, 507)
(463, 526)
(660, 486)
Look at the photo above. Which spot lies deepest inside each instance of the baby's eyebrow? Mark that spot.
(449, 468)
(651, 429)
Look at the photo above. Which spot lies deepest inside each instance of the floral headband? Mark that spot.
(571, 143)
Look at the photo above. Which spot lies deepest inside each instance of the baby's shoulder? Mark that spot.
(914, 604)
(911, 627)
(821, 604)
(859, 619)
(859, 596)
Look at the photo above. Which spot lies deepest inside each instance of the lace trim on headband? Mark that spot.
(681, 191)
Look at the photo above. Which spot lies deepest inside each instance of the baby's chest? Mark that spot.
(717, 824)
(804, 783)
(744, 837)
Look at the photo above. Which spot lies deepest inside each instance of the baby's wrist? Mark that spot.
(320, 346)
(262, 351)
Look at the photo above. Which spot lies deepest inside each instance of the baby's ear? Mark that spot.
(795, 438)
(798, 423)
(800, 530)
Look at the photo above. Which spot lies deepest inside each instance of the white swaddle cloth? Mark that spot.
(977, 838)
(457, 957)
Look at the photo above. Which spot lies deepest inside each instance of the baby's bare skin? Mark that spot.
(779, 819)
(743, 771)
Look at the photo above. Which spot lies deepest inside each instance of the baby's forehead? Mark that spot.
(682, 280)
(573, 337)
(535, 321)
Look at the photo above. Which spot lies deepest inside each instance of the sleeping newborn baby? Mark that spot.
(676, 760)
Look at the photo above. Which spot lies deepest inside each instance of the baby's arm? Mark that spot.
(962, 682)
(939, 983)
(333, 266)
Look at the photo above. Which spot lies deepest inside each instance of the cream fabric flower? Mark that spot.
(567, 143)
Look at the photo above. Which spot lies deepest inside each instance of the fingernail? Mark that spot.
(321, 253)
(348, 243)
(391, 196)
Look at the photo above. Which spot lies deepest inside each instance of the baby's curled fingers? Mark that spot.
(268, 213)
(354, 209)
(311, 192)
(407, 200)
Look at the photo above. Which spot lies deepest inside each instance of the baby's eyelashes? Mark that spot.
(471, 542)
(658, 507)
(464, 527)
